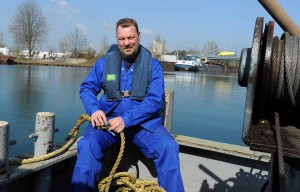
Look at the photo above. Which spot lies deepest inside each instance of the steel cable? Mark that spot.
(289, 76)
(280, 153)
(287, 89)
(272, 80)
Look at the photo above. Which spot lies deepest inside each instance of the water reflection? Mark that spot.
(208, 105)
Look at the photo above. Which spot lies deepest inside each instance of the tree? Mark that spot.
(29, 27)
(104, 45)
(181, 53)
(209, 46)
(2, 40)
(159, 46)
(86, 44)
(76, 41)
(192, 51)
(90, 53)
(64, 45)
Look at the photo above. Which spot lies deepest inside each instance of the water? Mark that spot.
(206, 105)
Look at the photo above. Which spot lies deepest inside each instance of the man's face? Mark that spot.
(128, 41)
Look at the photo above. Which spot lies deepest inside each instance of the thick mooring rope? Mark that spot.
(126, 182)
(71, 138)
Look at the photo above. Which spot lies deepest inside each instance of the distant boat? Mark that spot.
(7, 58)
(189, 63)
(211, 66)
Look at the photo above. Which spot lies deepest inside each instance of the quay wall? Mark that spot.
(168, 66)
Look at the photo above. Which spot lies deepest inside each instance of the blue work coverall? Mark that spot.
(143, 126)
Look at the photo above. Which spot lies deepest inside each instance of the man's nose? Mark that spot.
(127, 42)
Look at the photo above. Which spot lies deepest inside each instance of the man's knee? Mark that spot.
(86, 145)
(89, 154)
(170, 145)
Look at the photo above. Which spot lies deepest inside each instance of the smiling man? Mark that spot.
(133, 85)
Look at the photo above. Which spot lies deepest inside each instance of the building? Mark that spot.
(4, 51)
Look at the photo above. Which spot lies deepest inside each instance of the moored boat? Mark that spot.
(188, 63)
(7, 58)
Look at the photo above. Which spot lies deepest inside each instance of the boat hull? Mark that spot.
(7, 59)
(183, 67)
(205, 166)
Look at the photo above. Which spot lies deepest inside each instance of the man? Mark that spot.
(133, 85)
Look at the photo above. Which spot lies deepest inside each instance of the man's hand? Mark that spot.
(116, 124)
(98, 118)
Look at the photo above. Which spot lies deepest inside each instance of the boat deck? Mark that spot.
(205, 166)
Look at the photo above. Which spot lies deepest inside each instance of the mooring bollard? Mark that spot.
(4, 144)
(44, 130)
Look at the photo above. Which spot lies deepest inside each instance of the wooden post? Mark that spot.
(168, 110)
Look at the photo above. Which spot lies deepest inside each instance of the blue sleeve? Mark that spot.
(91, 87)
(153, 101)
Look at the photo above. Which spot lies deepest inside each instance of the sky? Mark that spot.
(183, 24)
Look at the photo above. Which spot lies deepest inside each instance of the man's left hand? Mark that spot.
(116, 124)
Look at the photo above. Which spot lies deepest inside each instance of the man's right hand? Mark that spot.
(98, 118)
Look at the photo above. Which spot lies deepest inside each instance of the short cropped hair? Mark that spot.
(127, 22)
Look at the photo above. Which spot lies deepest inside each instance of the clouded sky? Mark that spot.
(183, 24)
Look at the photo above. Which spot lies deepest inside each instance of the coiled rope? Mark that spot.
(125, 182)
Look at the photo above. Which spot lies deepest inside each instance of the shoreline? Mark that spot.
(69, 62)
(72, 62)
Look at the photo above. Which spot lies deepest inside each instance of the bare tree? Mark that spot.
(209, 46)
(159, 46)
(2, 40)
(29, 26)
(192, 51)
(86, 44)
(76, 41)
(64, 45)
(104, 45)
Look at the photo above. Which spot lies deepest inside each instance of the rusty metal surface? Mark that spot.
(263, 139)
(274, 72)
(255, 54)
(265, 66)
(224, 148)
(244, 67)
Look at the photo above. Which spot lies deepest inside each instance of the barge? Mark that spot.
(7, 59)
(270, 162)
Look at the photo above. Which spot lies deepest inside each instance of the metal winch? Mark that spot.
(270, 70)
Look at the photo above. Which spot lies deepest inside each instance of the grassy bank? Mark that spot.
(69, 62)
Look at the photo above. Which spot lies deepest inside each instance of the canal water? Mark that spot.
(207, 105)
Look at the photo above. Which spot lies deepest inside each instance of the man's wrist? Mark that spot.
(126, 121)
